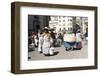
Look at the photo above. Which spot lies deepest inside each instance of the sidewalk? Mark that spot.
(62, 54)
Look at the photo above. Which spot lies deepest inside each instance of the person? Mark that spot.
(86, 34)
(36, 40)
(40, 42)
(46, 42)
(69, 40)
(78, 36)
(59, 39)
(31, 46)
(53, 38)
(52, 42)
(32, 37)
(78, 40)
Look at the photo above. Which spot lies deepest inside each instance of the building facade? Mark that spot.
(37, 22)
(60, 23)
(68, 23)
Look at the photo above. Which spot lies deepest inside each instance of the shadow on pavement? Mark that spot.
(55, 53)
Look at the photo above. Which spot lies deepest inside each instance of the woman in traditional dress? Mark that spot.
(52, 42)
(46, 42)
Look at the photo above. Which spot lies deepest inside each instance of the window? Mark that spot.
(59, 24)
(60, 29)
(70, 29)
(63, 20)
(59, 20)
(64, 29)
(59, 16)
(54, 28)
(70, 19)
(56, 18)
(63, 24)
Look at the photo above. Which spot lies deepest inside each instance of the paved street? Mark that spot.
(61, 53)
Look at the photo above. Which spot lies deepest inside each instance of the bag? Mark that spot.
(79, 45)
(51, 51)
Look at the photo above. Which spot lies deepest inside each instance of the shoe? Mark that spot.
(40, 52)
